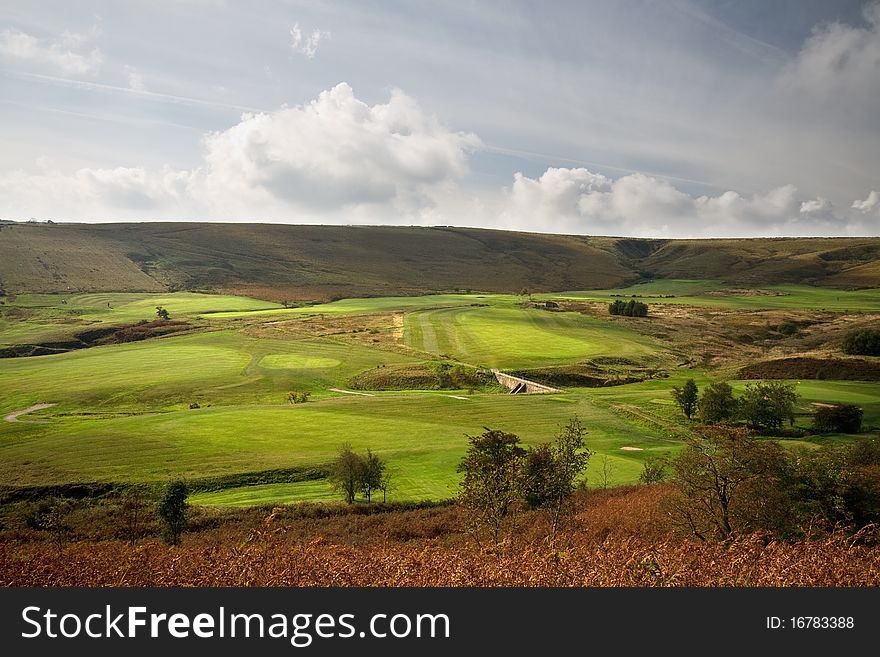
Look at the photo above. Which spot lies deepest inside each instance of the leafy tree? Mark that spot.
(492, 483)
(371, 474)
(717, 403)
(345, 472)
(862, 342)
(686, 397)
(550, 471)
(766, 405)
(172, 511)
(842, 418)
(653, 471)
(728, 482)
(162, 313)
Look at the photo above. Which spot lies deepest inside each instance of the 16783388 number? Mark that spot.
(811, 623)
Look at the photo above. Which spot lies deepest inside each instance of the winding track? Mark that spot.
(13, 417)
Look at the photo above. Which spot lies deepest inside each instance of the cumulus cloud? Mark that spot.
(333, 159)
(68, 53)
(580, 201)
(307, 45)
(873, 201)
(840, 63)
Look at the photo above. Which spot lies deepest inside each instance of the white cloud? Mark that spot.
(579, 201)
(334, 159)
(868, 204)
(307, 46)
(840, 64)
(68, 53)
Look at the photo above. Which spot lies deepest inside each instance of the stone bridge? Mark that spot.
(518, 385)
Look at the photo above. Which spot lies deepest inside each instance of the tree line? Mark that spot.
(763, 405)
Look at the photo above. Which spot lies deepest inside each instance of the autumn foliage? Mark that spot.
(617, 538)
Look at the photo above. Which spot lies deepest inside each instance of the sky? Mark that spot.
(675, 118)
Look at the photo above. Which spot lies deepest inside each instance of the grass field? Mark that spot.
(721, 295)
(512, 337)
(122, 411)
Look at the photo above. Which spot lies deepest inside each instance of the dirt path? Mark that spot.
(351, 392)
(13, 417)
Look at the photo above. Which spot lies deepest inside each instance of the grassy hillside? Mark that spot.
(284, 262)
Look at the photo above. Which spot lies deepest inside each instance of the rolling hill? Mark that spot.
(302, 263)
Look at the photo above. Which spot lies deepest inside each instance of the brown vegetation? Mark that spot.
(616, 540)
(801, 367)
(302, 263)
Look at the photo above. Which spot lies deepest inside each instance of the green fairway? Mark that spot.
(713, 293)
(34, 318)
(213, 401)
(509, 337)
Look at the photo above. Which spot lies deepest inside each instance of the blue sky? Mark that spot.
(678, 118)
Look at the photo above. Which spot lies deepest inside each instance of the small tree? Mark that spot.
(550, 471)
(162, 313)
(345, 472)
(843, 418)
(728, 481)
(717, 403)
(766, 405)
(172, 511)
(686, 397)
(492, 482)
(132, 511)
(371, 474)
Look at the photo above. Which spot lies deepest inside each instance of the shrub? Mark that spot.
(863, 342)
(653, 471)
(629, 308)
(787, 328)
(844, 418)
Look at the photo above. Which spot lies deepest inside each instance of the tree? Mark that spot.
(728, 481)
(132, 510)
(371, 474)
(550, 471)
(766, 405)
(842, 418)
(717, 404)
(172, 511)
(686, 397)
(162, 313)
(345, 472)
(492, 483)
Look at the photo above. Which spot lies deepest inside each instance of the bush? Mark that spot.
(298, 397)
(172, 509)
(629, 308)
(653, 472)
(845, 418)
(863, 342)
(787, 328)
